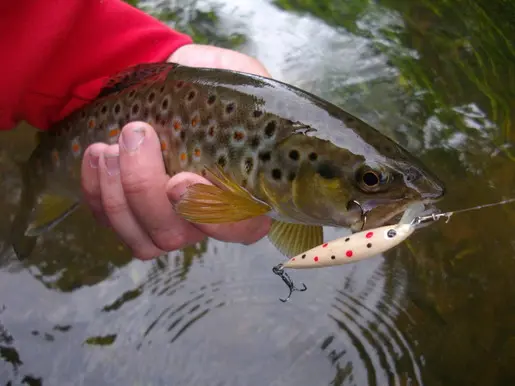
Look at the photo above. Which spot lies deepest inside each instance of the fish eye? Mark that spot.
(370, 179)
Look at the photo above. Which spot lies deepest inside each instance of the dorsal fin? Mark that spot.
(134, 75)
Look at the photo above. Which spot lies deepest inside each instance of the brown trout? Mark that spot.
(268, 147)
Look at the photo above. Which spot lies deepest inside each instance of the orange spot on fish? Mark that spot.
(164, 145)
(315, 258)
(75, 147)
(238, 135)
(325, 245)
(114, 132)
(177, 125)
(194, 121)
(183, 156)
(91, 123)
(197, 152)
(369, 235)
(348, 253)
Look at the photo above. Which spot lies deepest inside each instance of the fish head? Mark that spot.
(341, 186)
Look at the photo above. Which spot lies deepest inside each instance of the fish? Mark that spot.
(268, 147)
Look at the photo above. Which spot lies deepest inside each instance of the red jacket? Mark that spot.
(56, 54)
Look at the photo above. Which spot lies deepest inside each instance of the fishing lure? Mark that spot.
(364, 244)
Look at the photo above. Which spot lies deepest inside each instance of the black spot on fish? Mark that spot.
(135, 109)
(270, 128)
(104, 109)
(254, 142)
(257, 113)
(164, 104)
(291, 176)
(265, 156)
(151, 97)
(229, 109)
(294, 155)
(333, 257)
(313, 156)
(327, 170)
(162, 89)
(276, 174)
(387, 148)
(131, 94)
(369, 245)
(191, 95)
(183, 135)
(211, 99)
(222, 161)
(179, 84)
(249, 164)
(117, 108)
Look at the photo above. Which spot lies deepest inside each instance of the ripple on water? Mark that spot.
(384, 352)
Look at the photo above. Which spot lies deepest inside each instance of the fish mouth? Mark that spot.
(370, 220)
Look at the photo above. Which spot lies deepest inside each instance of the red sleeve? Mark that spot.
(57, 54)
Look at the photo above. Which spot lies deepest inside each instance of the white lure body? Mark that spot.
(352, 248)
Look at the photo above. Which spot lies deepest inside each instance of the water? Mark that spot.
(437, 310)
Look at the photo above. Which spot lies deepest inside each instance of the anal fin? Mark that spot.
(292, 239)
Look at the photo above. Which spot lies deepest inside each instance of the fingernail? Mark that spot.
(112, 164)
(93, 160)
(132, 139)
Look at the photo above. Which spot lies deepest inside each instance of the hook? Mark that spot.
(279, 270)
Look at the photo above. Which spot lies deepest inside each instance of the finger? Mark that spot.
(246, 231)
(144, 180)
(200, 55)
(117, 210)
(90, 181)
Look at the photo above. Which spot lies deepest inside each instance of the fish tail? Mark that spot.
(41, 208)
(22, 244)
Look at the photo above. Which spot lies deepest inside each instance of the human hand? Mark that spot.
(127, 188)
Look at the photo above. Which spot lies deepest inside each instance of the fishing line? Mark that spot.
(447, 215)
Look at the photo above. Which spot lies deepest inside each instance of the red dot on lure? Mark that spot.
(315, 258)
(348, 253)
(369, 235)
(325, 245)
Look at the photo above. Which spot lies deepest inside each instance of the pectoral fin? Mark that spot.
(49, 211)
(293, 239)
(211, 204)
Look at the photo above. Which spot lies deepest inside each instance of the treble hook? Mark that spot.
(279, 270)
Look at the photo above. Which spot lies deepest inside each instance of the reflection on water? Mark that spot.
(437, 311)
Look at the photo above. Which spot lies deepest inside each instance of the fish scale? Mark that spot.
(269, 147)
